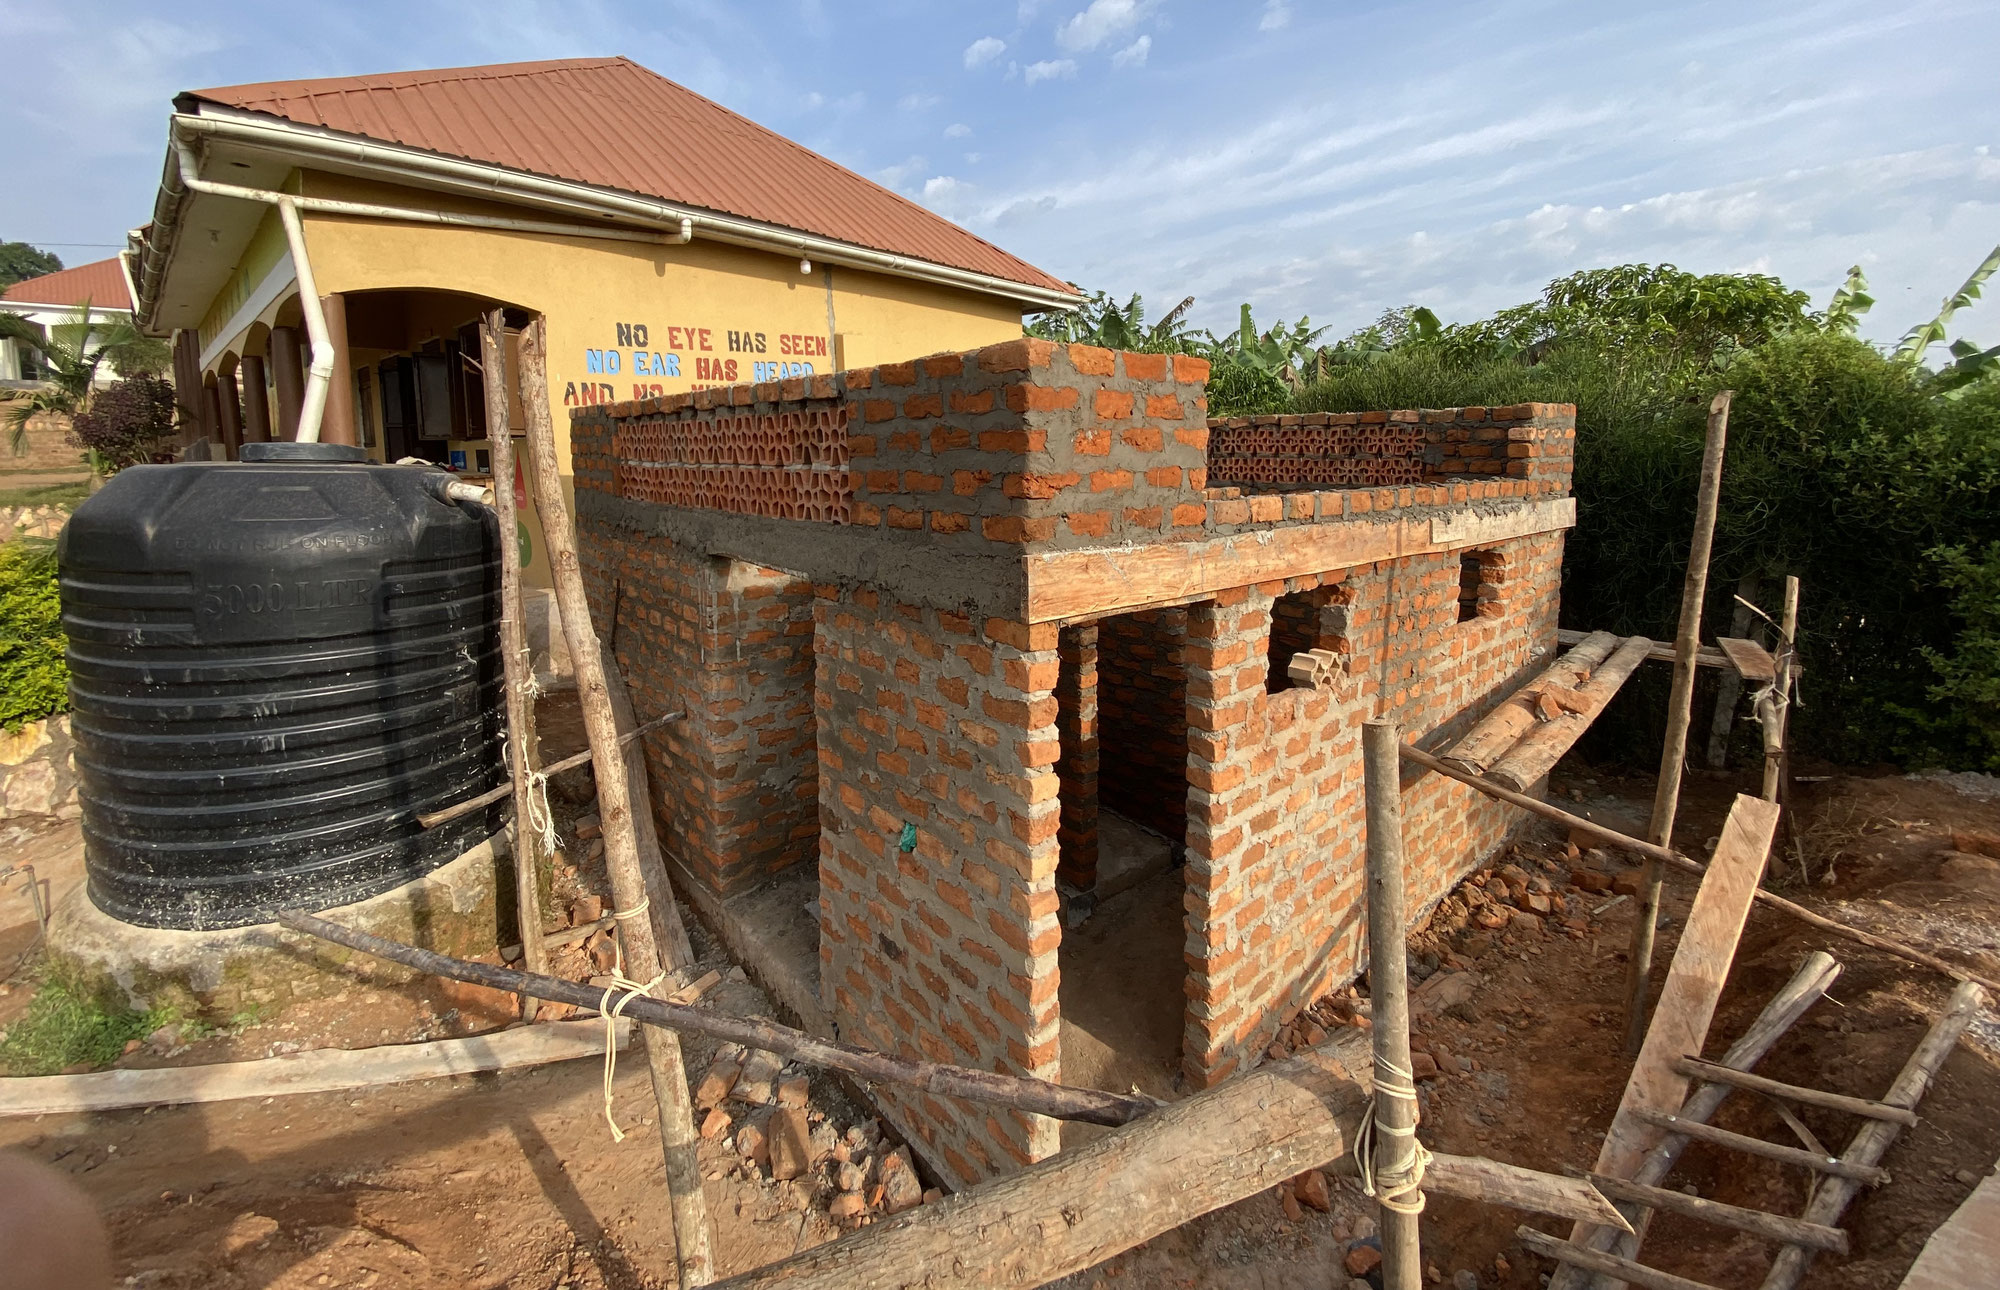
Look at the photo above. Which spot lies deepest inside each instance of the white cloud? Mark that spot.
(957, 130)
(1102, 21)
(1049, 69)
(972, 158)
(1134, 54)
(984, 50)
(938, 187)
(917, 102)
(1277, 16)
(813, 101)
(902, 172)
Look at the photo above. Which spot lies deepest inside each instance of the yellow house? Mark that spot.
(322, 251)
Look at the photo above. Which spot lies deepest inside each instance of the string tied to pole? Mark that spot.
(627, 990)
(1396, 1189)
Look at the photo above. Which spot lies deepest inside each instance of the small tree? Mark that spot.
(19, 262)
(126, 422)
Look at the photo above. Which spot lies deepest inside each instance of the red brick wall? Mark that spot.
(942, 731)
(1142, 718)
(1275, 834)
(1366, 449)
(730, 644)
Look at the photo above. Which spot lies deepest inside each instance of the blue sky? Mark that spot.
(1324, 159)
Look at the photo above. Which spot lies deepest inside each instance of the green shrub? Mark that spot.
(1841, 468)
(34, 676)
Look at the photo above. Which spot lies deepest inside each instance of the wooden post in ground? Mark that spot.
(614, 803)
(1680, 711)
(1389, 997)
(522, 754)
(669, 932)
(1776, 714)
(1729, 690)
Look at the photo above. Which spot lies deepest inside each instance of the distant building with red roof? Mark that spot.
(60, 297)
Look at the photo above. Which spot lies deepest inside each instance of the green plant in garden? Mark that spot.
(1103, 321)
(126, 423)
(70, 1023)
(34, 674)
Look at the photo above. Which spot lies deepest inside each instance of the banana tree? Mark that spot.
(1918, 340)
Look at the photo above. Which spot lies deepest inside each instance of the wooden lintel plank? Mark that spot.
(1750, 1146)
(1550, 1247)
(1706, 1070)
(1070, 585)
(1752, 661)
(1780, 1228)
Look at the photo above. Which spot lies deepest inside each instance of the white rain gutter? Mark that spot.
(319, 376)
(480, 179)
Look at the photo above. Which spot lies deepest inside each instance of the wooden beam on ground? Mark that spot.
(1675, 860)
(1964, 1250)
(1806, 987)
(1693, 985)
(1772, 1227)
(1568, 1252)
(321, 1070)
(1861, 1106)
(1499, 729)
(1749, 1146)
(1871, 1141)
(1543, 745)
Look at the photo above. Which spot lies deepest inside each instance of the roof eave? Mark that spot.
(304, 145)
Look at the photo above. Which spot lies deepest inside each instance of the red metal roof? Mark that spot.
(611, 123)
(102, 283)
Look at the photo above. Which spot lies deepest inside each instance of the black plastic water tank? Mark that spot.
(275, 664)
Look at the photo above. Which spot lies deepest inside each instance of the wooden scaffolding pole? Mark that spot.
(1774, 713)
(614, 802)
(1395, 1156)
(1680, 711)
(522, 753)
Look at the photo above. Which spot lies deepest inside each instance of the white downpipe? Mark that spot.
(319, 375)
(319, 378)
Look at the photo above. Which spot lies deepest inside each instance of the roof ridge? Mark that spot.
(417, 76)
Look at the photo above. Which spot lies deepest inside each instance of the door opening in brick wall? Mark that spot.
(1121, 697)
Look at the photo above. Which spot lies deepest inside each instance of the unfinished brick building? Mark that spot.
(941, 626)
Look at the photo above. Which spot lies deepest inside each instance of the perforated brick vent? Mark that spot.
(1317, 448)
(790, 464)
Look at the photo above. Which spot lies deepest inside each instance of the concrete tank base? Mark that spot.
(463, 909)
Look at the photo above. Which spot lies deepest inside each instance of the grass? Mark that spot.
(68, 1025)
(46, 494)
(80, 465)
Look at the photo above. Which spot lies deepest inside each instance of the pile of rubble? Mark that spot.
(753, 1102)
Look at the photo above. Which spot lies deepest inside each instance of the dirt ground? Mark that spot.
(513, 1180)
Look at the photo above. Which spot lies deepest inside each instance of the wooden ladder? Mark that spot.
(1604, 1257)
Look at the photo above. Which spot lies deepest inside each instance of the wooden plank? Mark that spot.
(1694, 983)
(1638, 1274)
(1705, 1070)
(1083, 583)
(1830, 1199)
(1772, 1227)
(1752, 661)
(1791, 1002)
(1749, 1146)
(1491, 1182)
(322, 1070)
(1966, 1249)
